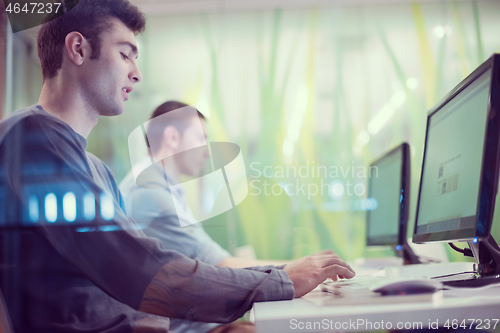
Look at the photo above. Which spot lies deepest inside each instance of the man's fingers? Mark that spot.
(337, 270)
(308, 272)
(333, 260)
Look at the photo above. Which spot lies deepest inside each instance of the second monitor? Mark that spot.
(389, 190)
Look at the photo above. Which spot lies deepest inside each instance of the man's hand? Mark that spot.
(309, 272)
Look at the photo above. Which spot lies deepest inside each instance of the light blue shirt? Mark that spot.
(154, 207)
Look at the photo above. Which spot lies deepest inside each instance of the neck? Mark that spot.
(169, 163)
(61, 98)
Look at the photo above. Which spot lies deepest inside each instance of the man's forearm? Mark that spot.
(195, 291)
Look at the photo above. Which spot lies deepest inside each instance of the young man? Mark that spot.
(71, 259)
(153, 205)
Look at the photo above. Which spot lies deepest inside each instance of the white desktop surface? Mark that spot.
(289, 316)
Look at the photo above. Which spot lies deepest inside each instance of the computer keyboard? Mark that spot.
(356, 283)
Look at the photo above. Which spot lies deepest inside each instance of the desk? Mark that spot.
(300, 315)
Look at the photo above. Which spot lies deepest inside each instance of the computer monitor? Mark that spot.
(389, 190)
(459, 178)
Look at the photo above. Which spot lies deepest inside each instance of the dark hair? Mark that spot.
(88, 17)
(180, 121)
(171, 106)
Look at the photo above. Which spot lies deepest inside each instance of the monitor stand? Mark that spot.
(405, 251)
(487, 267)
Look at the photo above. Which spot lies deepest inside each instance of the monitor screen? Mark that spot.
(386, 189)
(452, 169)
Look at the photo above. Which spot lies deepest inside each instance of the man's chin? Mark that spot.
(111, 112)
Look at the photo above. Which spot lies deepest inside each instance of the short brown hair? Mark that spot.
(171, 106)
(88, 17)
(180, 120)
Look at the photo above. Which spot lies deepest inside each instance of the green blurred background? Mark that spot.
(329, 86)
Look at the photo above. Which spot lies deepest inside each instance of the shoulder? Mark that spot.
(34, 126)
(31, 115)
(98, 163)
(103, 175)
(34, 136)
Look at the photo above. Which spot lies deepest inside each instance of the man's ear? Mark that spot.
(77, 47)
(171, 137)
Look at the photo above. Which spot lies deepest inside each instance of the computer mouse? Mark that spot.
(406, 287)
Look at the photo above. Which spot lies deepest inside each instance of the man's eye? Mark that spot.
(124, 57)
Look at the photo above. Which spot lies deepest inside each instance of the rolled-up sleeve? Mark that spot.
(201, 292)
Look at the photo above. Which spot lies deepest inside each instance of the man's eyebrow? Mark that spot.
(132, 46)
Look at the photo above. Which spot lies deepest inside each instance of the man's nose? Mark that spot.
(135, 75)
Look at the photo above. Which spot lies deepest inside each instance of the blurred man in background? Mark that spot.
(153, 204)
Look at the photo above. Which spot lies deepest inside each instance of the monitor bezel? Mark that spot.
(489, 166)
(404, 148)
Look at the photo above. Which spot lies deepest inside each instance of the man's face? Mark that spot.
(193, 162)
(108, 80)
